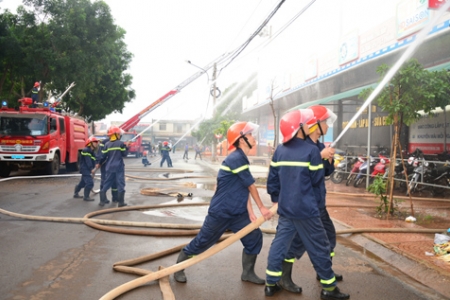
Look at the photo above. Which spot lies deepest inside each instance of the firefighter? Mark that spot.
(35, 94)
(165, 153)
(114, 152)
(102, 165)
(87, 168)
(231, 206)
(318, 126)
(298, 208)
(145, 161)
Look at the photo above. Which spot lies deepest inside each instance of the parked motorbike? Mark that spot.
(355, 170)
(421, 174)
(441, 178)
(342, 168)
(363, 170)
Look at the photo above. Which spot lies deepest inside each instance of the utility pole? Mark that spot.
(213, 90)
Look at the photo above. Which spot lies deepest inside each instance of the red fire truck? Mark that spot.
(39, 138)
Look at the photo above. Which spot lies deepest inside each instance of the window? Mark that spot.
(53, 127)
(178, 128)
(62, 127)
(162, 126)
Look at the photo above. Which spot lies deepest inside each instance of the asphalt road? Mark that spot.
(63, 260)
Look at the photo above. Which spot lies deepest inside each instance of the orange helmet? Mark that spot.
(238, 130)
(291, 122)
(91, 140)
(114, 130)
(321, 113)
(165, 143)
(36, 84)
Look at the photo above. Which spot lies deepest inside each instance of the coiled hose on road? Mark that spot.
(179, 230)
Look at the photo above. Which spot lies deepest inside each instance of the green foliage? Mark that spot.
(62, 41)
(378, 187)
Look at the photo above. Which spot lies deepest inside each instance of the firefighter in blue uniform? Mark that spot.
(87, 168)
(102, 167)
(231, 207)
(114, 152)
(35, 94)
(165, 153)
(298, 208)
(324, 118)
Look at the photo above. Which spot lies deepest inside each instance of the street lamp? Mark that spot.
(189, 62)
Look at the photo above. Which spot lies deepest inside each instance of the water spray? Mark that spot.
(420, 37)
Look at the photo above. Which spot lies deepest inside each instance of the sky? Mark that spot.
(163, 34)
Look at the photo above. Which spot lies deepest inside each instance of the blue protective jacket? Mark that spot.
(328, 168)
(233, 180)
(113, 154)
(88, 161)
(295, 170)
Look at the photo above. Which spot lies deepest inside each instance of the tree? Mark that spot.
(408, 92)
(440, 86)
(66, 41)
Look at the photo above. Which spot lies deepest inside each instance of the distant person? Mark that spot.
(165, 153)
(145, 161)
(198, 152)
(35, 94)
(87, 169)
(186, 152)
(114, 152)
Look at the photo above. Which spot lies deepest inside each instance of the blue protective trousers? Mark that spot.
(214, 227)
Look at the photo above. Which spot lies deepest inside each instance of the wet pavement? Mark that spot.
(44, 260)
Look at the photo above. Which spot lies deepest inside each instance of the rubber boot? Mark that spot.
(333, 295)
(103, 199)
(180, 276)
(270, 290)
(115, 196)
(86, 195)
(75, 192)
(248, 266)
(286, 279)
(121, 199)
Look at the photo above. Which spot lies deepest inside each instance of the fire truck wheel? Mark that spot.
(53, 166)
(4, 170)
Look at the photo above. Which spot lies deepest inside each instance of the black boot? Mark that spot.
(86, 195)
(75, 192)
(286, 279)
(121, 199)
(270, 290)
(103, 199)
(115, 196)
(333, 295)
(180, 276)
(248, 266)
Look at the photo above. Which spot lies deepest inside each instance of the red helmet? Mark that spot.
(291, 122)
(238, 130)
(165, 143)
(114, 130)
(36, 84)
(321, 113)
(91, 140)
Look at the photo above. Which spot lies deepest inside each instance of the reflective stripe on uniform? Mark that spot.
(328, 282)
(235, 171)
(289, 260)
(88, 154)
(275, 274)
(113, 149)
(296, 164)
